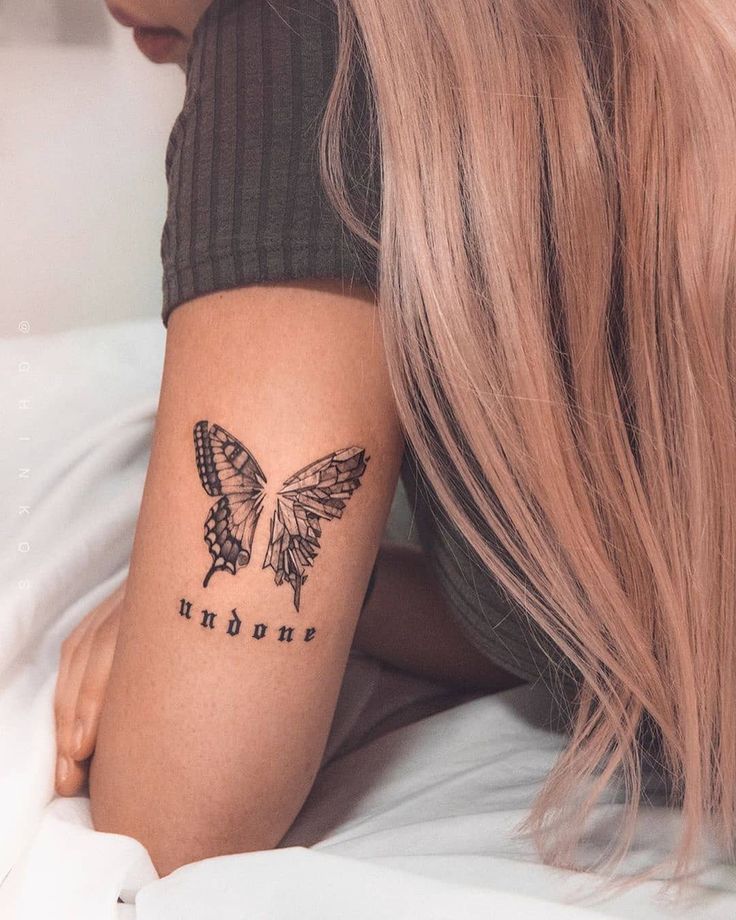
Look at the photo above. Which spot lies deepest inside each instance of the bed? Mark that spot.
(414, 808)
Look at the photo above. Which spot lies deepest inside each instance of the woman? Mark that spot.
(547, 332)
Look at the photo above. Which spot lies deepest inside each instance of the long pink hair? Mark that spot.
(557, 270)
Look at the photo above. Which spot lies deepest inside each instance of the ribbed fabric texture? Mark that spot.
(246, 204)
(245, 200)
(505, 633)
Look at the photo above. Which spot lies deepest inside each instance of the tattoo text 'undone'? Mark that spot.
(234, 625)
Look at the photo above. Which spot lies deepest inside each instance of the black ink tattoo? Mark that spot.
(260, 630)
(317, 492)
(286, 633)
(227, 470)
(233, 627)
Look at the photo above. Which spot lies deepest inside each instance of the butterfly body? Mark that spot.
(319, 491)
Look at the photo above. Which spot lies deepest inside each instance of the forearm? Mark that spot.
(221, 694)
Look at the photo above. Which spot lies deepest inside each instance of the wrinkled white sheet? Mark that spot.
(413, 811)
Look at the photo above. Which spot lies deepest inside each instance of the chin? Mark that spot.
(162, 46)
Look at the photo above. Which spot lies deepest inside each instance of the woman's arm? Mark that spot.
(407, 623)
(221, 697)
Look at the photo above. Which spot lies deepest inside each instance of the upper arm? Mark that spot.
(217, 713)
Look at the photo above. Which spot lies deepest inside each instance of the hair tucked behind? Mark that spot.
(557, 278)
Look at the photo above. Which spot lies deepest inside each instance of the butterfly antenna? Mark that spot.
(209, 575)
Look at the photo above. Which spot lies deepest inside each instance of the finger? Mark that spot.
(92, 689)
(70, 645)
(68, 648)
(63, 698)
(67, 772)
(70, 775)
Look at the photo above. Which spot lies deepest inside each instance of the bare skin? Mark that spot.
(216, 672)
(295, 371)
(405, 623)
(186, 696)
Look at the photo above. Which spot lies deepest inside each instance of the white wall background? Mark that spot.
(84, 121)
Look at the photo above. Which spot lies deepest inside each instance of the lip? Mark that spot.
(160, 44)
(125, 19)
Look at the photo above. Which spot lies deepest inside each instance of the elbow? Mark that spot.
(176, 829)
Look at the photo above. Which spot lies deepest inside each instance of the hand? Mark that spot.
(86, 658)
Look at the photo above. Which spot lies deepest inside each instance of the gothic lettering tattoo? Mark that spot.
(233, 626)
(317, 492)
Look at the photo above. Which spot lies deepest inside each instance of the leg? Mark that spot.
(407, 624)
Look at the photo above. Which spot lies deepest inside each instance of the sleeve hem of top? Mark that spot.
(233, 269)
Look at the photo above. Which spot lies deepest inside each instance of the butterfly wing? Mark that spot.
(319, 492)
(230, 473)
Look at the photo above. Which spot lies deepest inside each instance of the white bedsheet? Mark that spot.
(413, 810)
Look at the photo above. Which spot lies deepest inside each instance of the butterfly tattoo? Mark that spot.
(317, 492)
